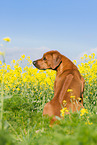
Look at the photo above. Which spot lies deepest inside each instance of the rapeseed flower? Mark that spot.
(90, 123)
(7, 39)
(0, 62)
(63, 111)
(83, 111)
(23, 56)
(69, 90)
(17, 79)
(64, 101)
(13, 61)
(72, 97)
(75, 62)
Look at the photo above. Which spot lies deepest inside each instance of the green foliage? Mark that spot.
(71, 130)
(31, 128)
(6, 138)
(28, 127)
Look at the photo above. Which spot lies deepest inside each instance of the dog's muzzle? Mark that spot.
(34, 62)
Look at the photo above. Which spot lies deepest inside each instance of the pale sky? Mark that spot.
(36, 26)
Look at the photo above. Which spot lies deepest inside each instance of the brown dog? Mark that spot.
(68, 77)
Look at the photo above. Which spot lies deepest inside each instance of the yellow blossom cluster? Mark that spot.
(83, 111)
(16, 78)
(7, 39)
(88, 122)
(19, 79)
(63, 111)
(72, 97)
(88, 68)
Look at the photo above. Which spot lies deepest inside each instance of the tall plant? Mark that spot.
(7, 39)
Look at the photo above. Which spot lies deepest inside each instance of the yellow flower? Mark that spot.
(83, 111)
(13, 61)
(93, 54)
(69, 90)
(7, 39)
(85, 55)
(90, 123)
(63, 111)
(79, 99)
(90, 56)
(23, 56)
(20, 59)
(24, 79)
(2, 53)
(64, 101)
(75, 62)
(28, 57)
(8, 67)
(0, 62)
(19, 77)
(18, 89)
(30, 62)
(82, 58)
(73, 97)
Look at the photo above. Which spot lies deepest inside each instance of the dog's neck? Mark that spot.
(66, 65)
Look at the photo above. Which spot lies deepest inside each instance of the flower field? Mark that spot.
(23, 94)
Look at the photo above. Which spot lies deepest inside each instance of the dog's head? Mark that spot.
(50, 60)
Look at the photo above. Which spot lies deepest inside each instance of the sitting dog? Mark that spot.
(68, 83)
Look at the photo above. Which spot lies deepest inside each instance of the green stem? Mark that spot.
(4, 58)
(2, 93)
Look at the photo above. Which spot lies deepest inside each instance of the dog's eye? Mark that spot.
(44, 58)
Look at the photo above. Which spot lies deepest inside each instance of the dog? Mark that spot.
(68, 78)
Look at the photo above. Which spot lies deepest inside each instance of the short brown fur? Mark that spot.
(67, 77)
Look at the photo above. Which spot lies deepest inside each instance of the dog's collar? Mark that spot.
(58, 66)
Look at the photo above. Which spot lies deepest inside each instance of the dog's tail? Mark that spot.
(82, 88)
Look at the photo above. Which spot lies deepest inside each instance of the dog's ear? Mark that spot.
(57, 58)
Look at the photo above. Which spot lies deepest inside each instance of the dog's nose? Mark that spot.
(34, 62)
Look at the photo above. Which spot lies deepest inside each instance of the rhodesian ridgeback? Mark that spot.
(68, 83)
